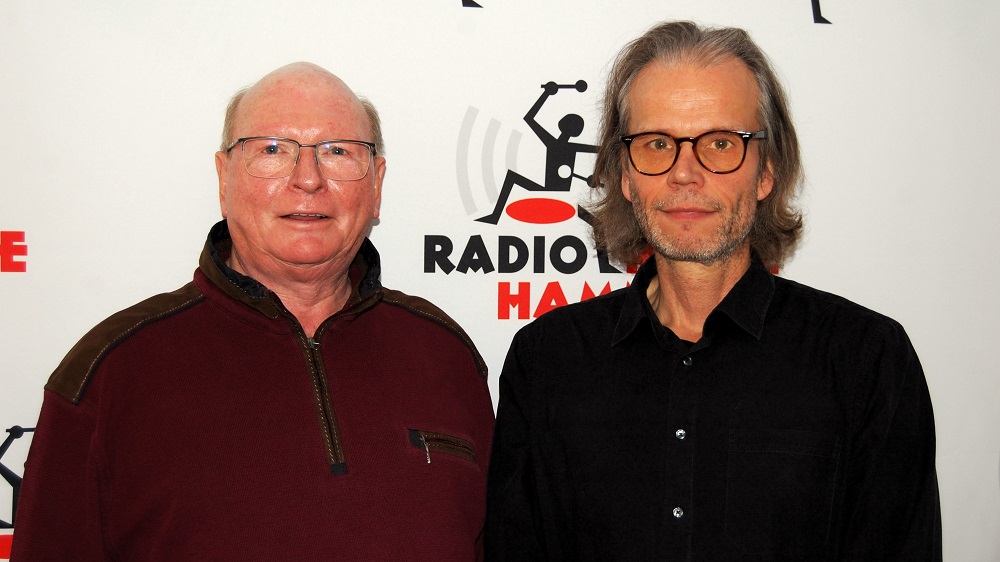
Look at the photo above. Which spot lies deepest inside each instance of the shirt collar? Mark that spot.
(746, 304)
(634, 308)
(364, 273)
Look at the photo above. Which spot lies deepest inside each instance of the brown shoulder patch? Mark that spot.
(70, 378)
(426, 309)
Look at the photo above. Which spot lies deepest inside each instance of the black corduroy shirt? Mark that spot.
(799, 427)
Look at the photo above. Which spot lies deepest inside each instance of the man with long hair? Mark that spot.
(711, 410)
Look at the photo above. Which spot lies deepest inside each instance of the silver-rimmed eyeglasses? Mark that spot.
(719, 152)
(275, 157)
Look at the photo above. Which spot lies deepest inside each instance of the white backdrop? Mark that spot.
(110, 113)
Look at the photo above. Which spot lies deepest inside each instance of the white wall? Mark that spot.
(110, 114)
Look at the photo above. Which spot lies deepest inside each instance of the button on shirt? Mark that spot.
(799, 427)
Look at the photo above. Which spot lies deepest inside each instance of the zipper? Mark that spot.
(321, 389)
(324, 407)
(427, 448)
(441, 443)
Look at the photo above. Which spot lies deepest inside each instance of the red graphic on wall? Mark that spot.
(12, 246)
(541, 210)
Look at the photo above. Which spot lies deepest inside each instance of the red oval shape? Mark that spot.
(541, 210)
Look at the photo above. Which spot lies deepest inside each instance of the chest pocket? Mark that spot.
(779, 492)
(435, 442)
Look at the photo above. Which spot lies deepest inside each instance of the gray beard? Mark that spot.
(727, 238)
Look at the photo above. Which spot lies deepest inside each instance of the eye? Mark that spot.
(332, 149)
(722, 144)
(721, 141)
(269, 147)
(658, 143)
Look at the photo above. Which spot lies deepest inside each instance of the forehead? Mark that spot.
(304, 106)
(688, 98)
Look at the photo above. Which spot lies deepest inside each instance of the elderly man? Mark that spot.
(283, 405)
(711, 411)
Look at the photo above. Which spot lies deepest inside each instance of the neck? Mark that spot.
(684, 293)
(311, 293)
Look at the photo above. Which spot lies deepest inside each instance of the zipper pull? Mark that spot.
(311, 343)
(426, 448)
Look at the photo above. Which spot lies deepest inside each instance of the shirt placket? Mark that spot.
(681, 436)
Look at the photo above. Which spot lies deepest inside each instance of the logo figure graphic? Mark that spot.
(560, 158)
(12, 479)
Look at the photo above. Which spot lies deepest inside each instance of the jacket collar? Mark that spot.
(364, 274)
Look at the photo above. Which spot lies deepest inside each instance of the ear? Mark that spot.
(379, 176)
(221, 165)
(765, 183)
(626, 184)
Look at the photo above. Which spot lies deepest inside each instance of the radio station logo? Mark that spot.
(532, 226)
(12, 246)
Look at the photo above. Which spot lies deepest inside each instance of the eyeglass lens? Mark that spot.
(718, 151)
(275, 158)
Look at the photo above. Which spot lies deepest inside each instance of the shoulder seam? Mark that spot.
(389, 297)
(75, 392)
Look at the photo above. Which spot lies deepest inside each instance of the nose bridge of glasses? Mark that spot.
(693, 141)
(298, 155)
(679, 148)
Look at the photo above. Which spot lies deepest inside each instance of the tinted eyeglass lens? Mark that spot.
(721, 151)
(653, 153)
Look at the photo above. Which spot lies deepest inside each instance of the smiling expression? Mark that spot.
(302, 222)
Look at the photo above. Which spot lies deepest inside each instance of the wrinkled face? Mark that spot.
(304, 219)
(689, 213)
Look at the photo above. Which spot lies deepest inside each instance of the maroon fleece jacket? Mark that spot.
(204, 425)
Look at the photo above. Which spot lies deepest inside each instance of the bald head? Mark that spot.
(302, 84)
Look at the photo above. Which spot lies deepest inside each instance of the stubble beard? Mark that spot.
(719, 246)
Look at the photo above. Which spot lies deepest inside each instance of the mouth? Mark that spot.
(687, 212)
(305, 216)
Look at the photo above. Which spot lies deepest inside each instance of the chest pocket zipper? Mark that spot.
(431, 441)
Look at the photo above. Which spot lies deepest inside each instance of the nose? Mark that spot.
(305, 174)
(687, 169)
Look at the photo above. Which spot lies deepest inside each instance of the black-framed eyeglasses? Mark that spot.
(719, 152)
(276, 157)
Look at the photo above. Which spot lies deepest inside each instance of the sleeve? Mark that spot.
(484, 434)
(57, 512)
(892, 510)
(512, 517)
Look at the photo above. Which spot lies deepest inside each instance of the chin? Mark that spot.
(302, 254)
